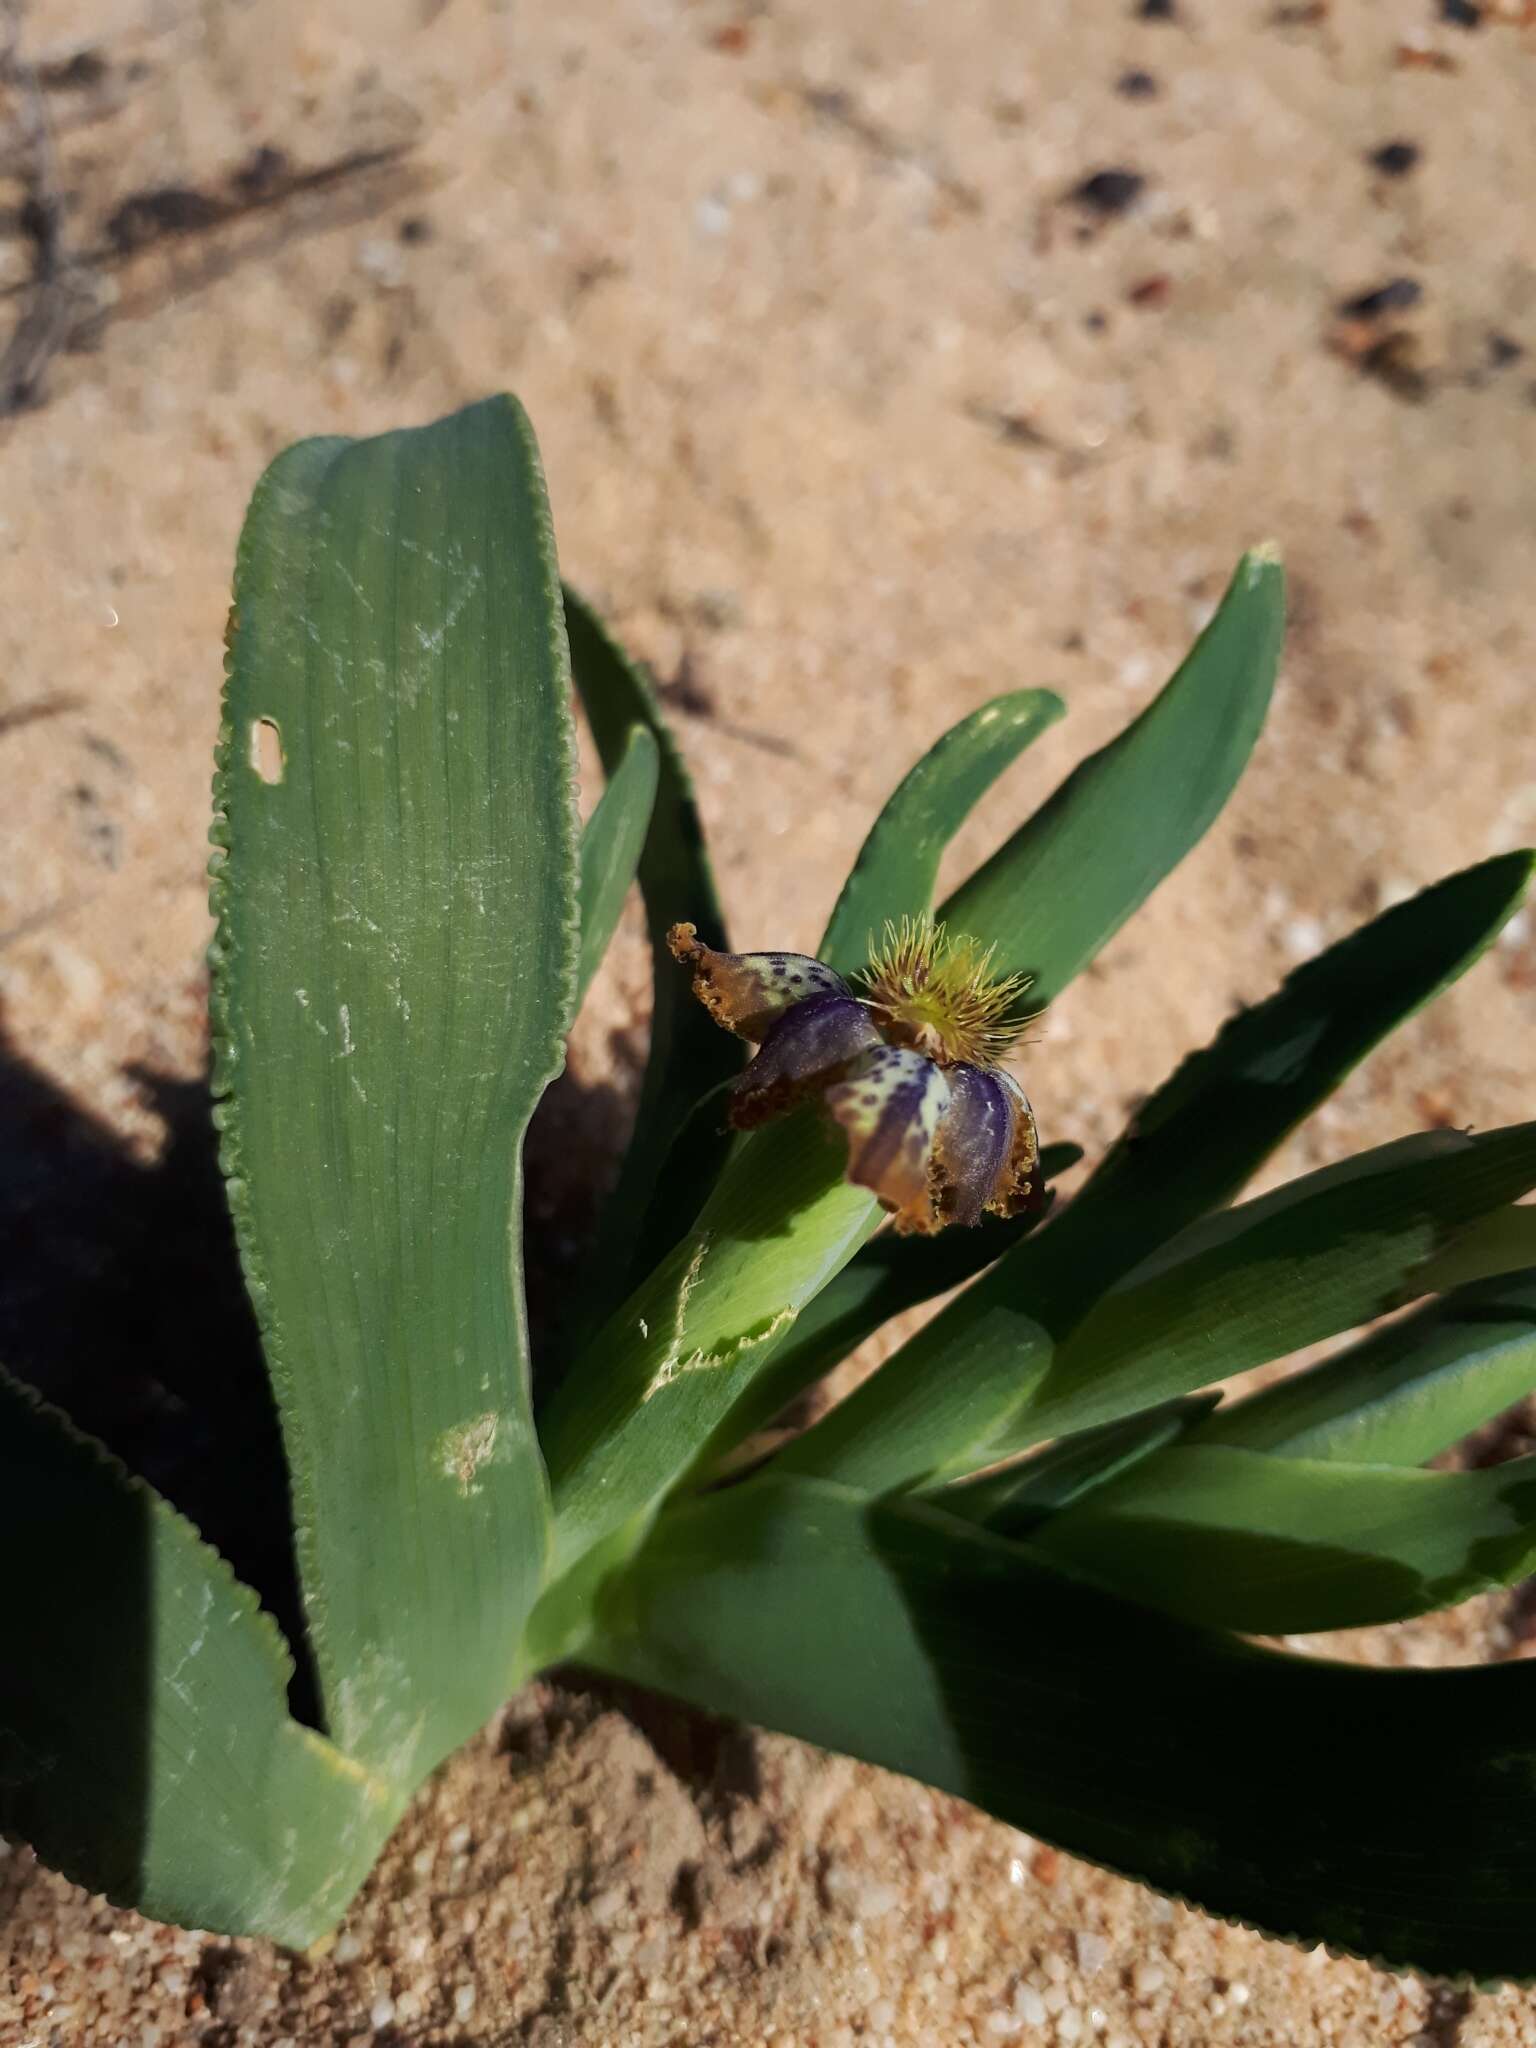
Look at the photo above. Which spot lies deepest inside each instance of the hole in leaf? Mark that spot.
(266, 750)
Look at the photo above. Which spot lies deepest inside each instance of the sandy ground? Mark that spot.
(855, 410)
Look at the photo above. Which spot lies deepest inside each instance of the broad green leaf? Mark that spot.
(1278, 1546)
(1063, 885)
(610, 849)
(1314, 1258)
(1391, 1813)
(898, 864)
(1014, 1500)
(890, 1275)
(393, 980)
(145, 1745)
(661, 1182)
(1404, 1393)
(1191, 1147)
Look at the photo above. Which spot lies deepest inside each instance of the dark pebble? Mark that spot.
(1137, 85)
(415, 228)
(1109, 192)
(1395, 159)
(1461, 13)
(1503, 350)
(1393, 297)
(1156, 10)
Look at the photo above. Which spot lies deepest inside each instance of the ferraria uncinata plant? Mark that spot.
(1025, 1560)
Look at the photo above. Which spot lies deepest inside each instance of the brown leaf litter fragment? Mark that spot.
(1420, 57)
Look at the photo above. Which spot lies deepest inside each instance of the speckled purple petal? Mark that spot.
(1019, 1185)
(811, 1045)
(972, 1146)
(890, 1107)
(749, 992)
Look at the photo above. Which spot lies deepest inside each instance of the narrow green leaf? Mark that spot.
(890, 1275)
(393, 981)
(1063, 885)
(1502, 1243)
(1403, 1394)
(1013, 1501)
(1278, 1546)
(145, 1745)
(898, 865)
(610, 849)
(629, 1419)
(662, 1181)
(1191, 1147)
(1391, 1813)
(1316, 1257)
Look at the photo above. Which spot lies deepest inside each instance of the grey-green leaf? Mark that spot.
(898, 864)
(628, 1421)
(1404, 1393)
(393, 980)
(1066, 881)
(1277, 1545)
(145, 1745)
(610, 849)
(1016, 1499)
(1314, 1258)
(1266, 1787)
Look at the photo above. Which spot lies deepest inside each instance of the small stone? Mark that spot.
(1109, 192)
(380, 260)
(1136, 85)
(607, 1905)
(1395, 296)
(382, 2011)
(1462, 13)
(1069, 2024)
(1002, 2026)
(1147, 1979)
(458, 1839)
(1395, 159)
(1029, 2006)
(1092, 1952)
(463, 2001)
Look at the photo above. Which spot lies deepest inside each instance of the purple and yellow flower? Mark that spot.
(911, 1068)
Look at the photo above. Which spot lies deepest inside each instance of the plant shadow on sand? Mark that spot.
(122, 1303)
